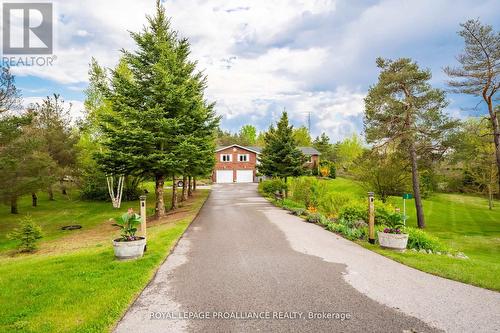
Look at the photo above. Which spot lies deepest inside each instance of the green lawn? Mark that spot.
(461, 221)
(83, 290)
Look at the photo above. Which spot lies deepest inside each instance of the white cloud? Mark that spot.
(82, 33)
(260, 56)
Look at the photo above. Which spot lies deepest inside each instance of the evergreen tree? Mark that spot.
(280, 156)
(323, 145)
(158, 109)
(52, 122)
(260, 141)
(403, 110)
(23, 169)
(479, 72)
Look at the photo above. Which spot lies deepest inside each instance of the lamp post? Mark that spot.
(142, 199)
(371, 218)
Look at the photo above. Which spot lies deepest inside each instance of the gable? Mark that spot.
(248, 149)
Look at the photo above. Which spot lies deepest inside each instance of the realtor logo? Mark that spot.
(27, 28)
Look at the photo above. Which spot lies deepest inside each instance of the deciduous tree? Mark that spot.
(248, 135)
(302, 136)
(383, 172)
(476, 153)
(347, 151)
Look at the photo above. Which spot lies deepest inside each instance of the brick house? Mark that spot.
(238, 164)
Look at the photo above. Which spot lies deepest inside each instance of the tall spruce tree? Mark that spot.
(157, 104)
(402, 109)
(280, 156)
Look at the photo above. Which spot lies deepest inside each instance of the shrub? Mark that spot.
(332, 202)
(269, 187)
(317, 218)
(93, 187)
(419, 239)
(333, 171)
(328, 165)
(353, 212)
(383, 211)
(28, 234)
(289, 204)
(314, 218)
(297, 211)
(305, 191)
(324, 171)
(346, 231)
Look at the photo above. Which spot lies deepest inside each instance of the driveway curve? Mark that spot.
(245, 266)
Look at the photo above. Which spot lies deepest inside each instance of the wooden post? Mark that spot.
(142, 199)
(371, 218)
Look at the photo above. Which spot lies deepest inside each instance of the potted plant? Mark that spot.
(393, 237)
(129, 246)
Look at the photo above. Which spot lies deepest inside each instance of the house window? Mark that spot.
(243, 158)
(225, 158)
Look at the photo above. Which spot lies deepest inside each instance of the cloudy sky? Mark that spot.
(262, 56)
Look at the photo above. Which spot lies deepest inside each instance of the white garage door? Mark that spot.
(244, 176)
(224, 176)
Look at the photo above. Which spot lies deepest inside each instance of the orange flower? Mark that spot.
(312, 209)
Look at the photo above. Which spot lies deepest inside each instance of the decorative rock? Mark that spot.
(449, 255)
(429, 251)
(461, 255)
(414, 250)
(422, 251)
(438, 253)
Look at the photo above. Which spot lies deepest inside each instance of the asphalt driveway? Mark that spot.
(245, 266)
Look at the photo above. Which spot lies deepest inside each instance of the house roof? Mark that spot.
(305, 150)
(252, 149)
(309, 151)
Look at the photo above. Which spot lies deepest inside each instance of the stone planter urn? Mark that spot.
(129, 249)
(393, 241)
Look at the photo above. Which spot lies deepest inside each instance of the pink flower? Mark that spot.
(130, 211)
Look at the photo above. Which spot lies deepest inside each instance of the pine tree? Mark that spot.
(280, 156)
(403, 110)
(479, 72)
(323, 145)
